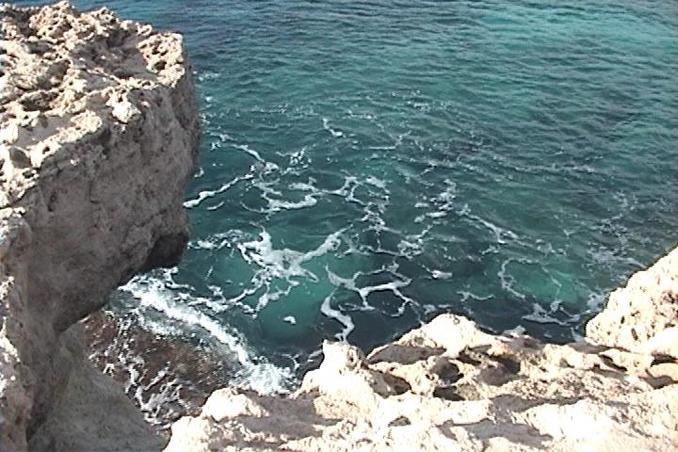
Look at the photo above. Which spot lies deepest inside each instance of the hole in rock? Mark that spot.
(400, 421)
(447, 393)
(510, 365)
(448, 372)
(396, 384)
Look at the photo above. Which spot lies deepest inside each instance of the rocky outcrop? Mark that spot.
(643, 316)
(99, 137)
(450, 386)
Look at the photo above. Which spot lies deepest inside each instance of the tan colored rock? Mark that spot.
(645, 308)
(99, 138)
(484, 392)
(91, 411)
(663, 343)
(665, 370)
(633, 363)
(229, 403)
(449, 386)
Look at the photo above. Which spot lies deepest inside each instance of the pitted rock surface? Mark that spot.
(450, 386)
(99, 136)
(643, 316)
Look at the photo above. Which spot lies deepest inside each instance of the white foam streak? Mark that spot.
(379, 183)
(276, 205)
(335, 133)
(364, 292)
(540, 315)
(507, 280)
(261, 376)
(250, 151)
(498, 231)
(327, 309)
(284, 264)
(203, 195)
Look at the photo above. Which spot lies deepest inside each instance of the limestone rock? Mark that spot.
(99, 138)
(450, 386)
(644, 314)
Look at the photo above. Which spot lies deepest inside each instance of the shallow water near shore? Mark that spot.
(368, 165)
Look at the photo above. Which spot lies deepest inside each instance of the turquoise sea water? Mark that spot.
(367, 165)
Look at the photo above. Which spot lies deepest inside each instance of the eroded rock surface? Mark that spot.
(450, 386)
(99, 134)
(98, 138)
(643, 316)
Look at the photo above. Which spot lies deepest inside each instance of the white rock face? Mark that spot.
(99, 138)
(449, 386)
(643, 316)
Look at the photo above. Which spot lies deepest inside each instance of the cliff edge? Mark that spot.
(450, 386)
(98, 139)
(99, 136)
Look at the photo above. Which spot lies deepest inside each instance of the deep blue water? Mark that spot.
(367, 165)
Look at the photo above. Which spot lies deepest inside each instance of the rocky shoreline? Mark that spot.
(166, 377)
(450, 386)
(99, 139)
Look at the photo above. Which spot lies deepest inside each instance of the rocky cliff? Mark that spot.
(99, 138)
(450, 386)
